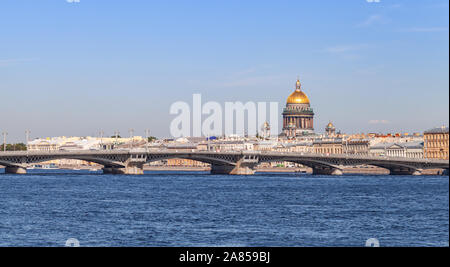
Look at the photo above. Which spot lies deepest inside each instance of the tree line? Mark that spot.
(14, 147)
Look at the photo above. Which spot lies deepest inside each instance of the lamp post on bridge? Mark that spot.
(4, 140)
(101, 138)
(131, 131)
(27, 134)
(116, 133)
(147, 136)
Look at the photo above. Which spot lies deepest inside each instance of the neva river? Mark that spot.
(45, 208)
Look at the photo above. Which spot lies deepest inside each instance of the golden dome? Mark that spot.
(298, 97)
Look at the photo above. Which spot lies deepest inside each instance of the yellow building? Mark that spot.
(186, 163)
(328, 146)
(436, 143)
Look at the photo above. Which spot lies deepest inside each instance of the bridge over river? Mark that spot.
(234, 163)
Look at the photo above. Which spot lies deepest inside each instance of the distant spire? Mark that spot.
(298, 86)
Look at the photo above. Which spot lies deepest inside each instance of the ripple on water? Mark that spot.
(197, 209)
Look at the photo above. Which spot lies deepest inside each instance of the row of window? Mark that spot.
(356, 148)
(417, 155)
(437, 144)
(436, 136)
(328, 150)
(437, 155)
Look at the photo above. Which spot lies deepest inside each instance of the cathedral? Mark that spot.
(298, 116)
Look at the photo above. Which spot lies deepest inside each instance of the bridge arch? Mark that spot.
(318, 166)
(8, 164)
(396, 168)
(200, 158)
(100, 161)
(306, 162)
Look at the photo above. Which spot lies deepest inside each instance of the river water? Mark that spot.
(47, 207)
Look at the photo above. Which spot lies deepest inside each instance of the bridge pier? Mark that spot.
(245, 166)
(231, 170)
(130, 169)
(15, 170)
(108, 170)
(405, 171)
(327, 171)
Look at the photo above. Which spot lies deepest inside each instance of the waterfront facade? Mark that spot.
(63, 143)
(356, 147)
(328, 146)
(436, 143)
(80, 143)
(298, 116)
(398, 150)
(405, 150)
(184, 163)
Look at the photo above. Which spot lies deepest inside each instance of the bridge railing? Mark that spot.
(190, 151)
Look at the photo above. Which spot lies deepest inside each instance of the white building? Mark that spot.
(401, 150)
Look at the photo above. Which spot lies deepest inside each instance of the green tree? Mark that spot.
(14, 147)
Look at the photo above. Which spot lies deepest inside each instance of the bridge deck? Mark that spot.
(212, 153)
(231, 161)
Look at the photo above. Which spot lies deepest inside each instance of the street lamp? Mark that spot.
(27, 134)
(147, 136)
(101, 138)
(117, 136)
(4, 140)
(131, 131)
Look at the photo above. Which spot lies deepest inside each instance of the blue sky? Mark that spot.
(75, 68)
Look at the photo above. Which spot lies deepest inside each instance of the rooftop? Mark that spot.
(438, 130)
